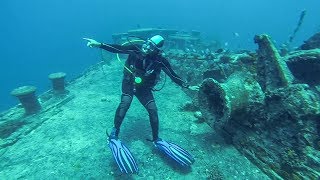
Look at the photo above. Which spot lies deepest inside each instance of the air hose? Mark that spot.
(137, 79)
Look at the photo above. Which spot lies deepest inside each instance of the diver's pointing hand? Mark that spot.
(194, 88)
(92, 43)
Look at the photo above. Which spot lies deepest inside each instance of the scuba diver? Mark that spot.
(141, 73)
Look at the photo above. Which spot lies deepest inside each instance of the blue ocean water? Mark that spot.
(40, 37)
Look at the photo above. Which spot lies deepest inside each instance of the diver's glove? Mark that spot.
(194, 88)
(92, 43)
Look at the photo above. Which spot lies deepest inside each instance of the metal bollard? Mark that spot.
(58, 83)
(28, 99)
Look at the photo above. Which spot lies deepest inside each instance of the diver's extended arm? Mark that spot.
(174, 77)
(114, 48)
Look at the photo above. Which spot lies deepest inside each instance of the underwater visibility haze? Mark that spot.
(40, 37)
(240, 98)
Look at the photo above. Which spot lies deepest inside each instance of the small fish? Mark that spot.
(219, 50)
(236, 34)
(207, 51)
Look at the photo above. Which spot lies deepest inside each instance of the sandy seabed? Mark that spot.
(72, 143)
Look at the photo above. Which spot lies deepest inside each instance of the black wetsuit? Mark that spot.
(148, 68)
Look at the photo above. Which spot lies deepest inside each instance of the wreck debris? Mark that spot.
(148, 32)
(301, 18)
(296, 100)
(195, 33)
(143, 33)
(290, 126)
(305, 65)
(119, 38)
(183, 40)
(278, 127)
(270, 119)
(285, 47)
(311, 43)
(219, 102)
(174, 39)
(274, 72)
(28, 99)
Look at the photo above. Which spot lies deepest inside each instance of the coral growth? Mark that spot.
(276, 122)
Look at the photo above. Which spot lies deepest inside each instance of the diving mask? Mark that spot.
(149, 47)
(153, 44)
